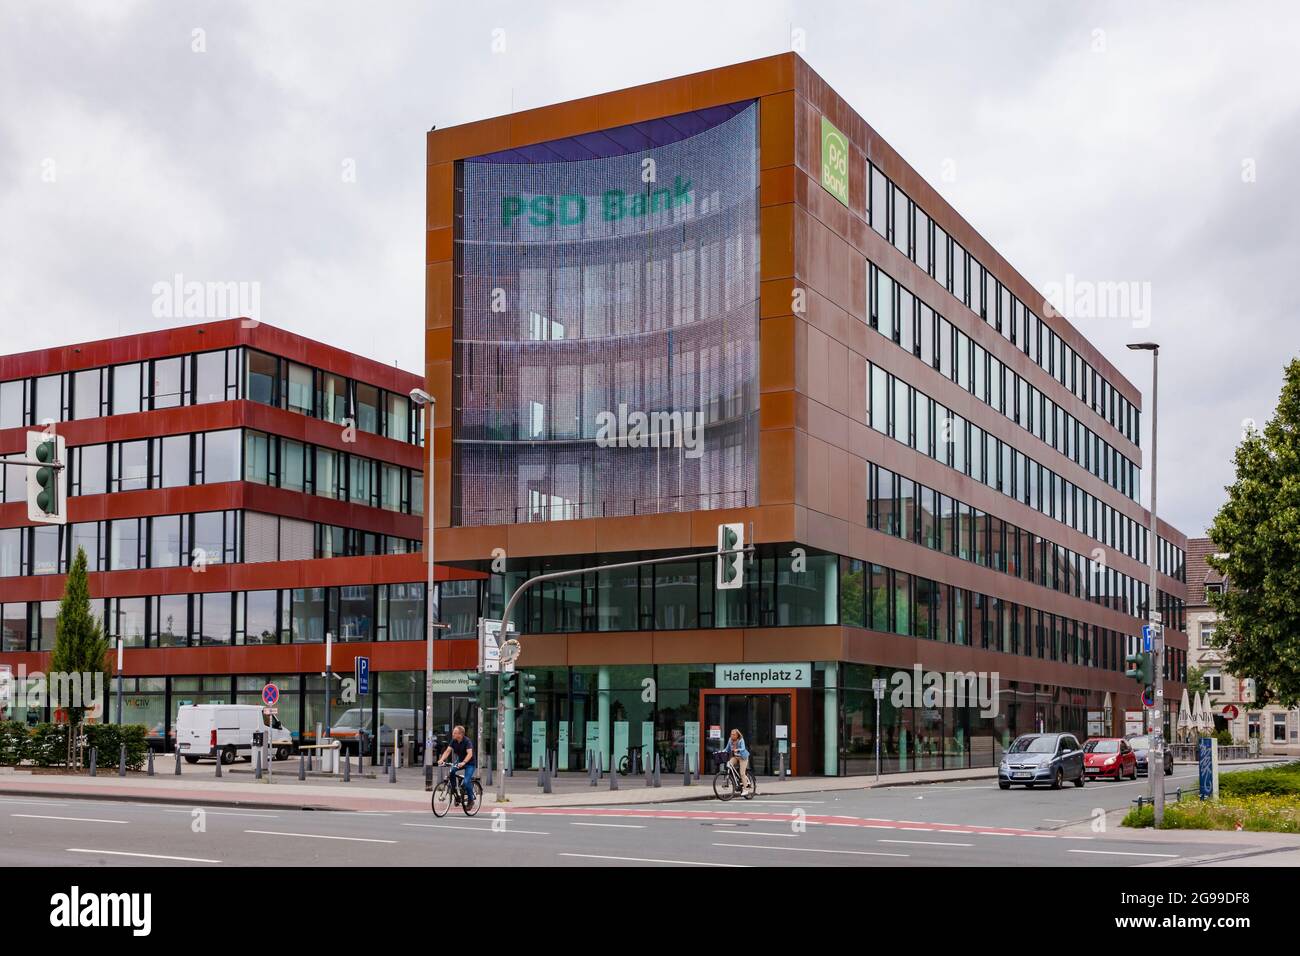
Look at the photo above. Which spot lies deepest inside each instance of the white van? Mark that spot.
(206, 730)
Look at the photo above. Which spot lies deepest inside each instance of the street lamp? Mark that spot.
(428, 403)
(1157, 758)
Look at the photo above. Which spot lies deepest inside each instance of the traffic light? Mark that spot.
(474, 684)
(47, 482)
(731, 557)
(508, 681)
(1142, 670)
(527, 690)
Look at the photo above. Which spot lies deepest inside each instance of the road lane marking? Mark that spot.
(42, 816)
(1169, 856)
(617, 826)
(474, 829)
(760, 833)
(925, 842)
(318, 836)
(639, 859)
(808, 849)
(227, 813)
(149, 856)
(797, 803)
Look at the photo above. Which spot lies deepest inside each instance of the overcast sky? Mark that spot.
(282, 143)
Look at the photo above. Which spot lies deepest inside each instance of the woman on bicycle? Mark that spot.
(738, 757)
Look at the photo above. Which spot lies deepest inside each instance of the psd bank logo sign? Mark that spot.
(835, 162)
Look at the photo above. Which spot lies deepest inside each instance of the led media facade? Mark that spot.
(606, 338)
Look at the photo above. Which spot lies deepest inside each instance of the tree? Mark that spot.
(80, 648)
(1196, 682)
(1257, 534)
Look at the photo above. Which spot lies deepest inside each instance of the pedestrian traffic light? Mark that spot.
(1140, 667)
(47, 482)
(731, 556)
(528, 689)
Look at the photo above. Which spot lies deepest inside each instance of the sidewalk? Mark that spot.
(198, 784)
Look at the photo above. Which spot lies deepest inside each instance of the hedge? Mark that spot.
(46, 745)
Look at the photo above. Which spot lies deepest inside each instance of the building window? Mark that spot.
(1207, 636)
(1214, 682)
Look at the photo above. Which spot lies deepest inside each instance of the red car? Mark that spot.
(1109, 757)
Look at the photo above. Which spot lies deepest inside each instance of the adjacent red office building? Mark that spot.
(239, 492)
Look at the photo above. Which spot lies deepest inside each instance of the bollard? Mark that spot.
(151, 761)
(392, 771)
(487, 762)
(649, 776)
(178, 763)
(257, 764)
(591, 768)
(613, 781)
(686, 769)
(94, 760)
(546, 781)
(347, 769)
(510, 763)
(302, 766)
(428, 777)
(658, 767)
(121, 760)
(218, 763)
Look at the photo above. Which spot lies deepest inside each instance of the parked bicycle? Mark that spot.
(667, 760)
(451, 792)
(726, 782)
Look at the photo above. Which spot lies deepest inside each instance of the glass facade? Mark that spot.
(606, 333)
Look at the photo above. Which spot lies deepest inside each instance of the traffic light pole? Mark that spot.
(556, 576)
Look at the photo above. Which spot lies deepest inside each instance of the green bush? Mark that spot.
(48, 745)
(13, 742)
(1269, 781)
(1224, 737)
(108, 738)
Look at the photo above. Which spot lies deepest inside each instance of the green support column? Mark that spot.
(831, 720)
(510, 730)
(602, 710)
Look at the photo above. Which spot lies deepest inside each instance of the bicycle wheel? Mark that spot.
(623, 765)
(722, 787)
(753, 785)
(472, 809)
(441, 799)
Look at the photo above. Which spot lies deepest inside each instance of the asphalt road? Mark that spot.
(934, 825)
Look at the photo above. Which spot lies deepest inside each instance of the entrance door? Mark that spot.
(450, 710)
(757, 715)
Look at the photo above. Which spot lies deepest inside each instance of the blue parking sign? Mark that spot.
(363, 675)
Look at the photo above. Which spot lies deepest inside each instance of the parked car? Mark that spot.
(1109, 757)
(226, 731)
(354, 728)
(1042, 758)
(1141, 744)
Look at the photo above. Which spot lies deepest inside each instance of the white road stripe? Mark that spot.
(617, 826)
(317, 836)
(925, 842)
(474, 829)
(148, 856)
(808, 849)
(42, 816)
(1168, 856)
(638, 859)
(760, 833)
(227, 813)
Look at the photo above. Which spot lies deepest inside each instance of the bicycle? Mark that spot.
(451, 791)
(726, 782)
(667, 760)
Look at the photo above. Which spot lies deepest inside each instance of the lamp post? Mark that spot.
(428, 403)
(1156, 758)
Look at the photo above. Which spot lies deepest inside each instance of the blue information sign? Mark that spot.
(363, 675)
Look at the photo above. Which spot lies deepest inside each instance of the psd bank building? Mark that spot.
(723, 298)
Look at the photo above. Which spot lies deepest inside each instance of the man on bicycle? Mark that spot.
(463, 749)
(738, 757)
